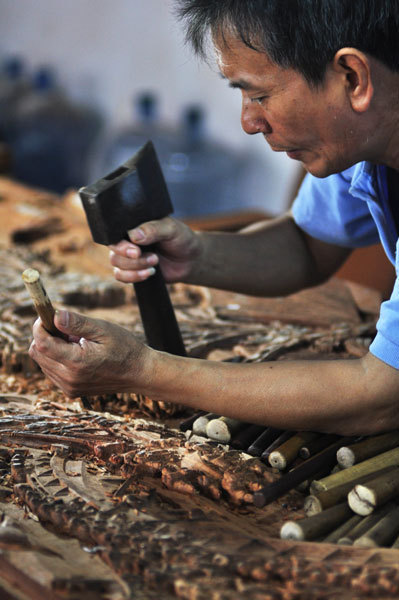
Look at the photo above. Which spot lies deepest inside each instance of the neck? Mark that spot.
(388, 147)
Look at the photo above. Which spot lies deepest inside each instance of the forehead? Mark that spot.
(241, 64)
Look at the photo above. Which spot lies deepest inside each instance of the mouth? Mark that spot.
(295, 154)
(289, 151)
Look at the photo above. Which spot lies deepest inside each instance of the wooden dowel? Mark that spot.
(371, 465)
(315, 503)
(382, 533)
(243, 439)
(283, 437)
(364, 498)
(263, 441)
(285, 454)
(364, 525)
(338, 533)
(223, 428)
(41, 301)
(317, 445)
(347, 456)
(316, 526)
(294, 477)
(200, 424)
(188, 423)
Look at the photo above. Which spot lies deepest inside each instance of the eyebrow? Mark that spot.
(240, 84)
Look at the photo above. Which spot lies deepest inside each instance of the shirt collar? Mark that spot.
(363, 184)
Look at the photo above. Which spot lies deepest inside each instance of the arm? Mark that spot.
(344, 396)
(271, 258)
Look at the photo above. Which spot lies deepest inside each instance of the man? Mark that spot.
(319, 80)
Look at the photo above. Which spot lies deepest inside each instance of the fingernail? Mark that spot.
(146, 272)
(152, 259)
(63, 317)
(132, 253)
(137, 235)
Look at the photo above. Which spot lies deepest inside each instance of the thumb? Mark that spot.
(77, 325)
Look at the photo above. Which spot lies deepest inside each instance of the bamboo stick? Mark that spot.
(221, 429)
(346, 526)
(316, 526)
(200, 424)
(347, 456)
(243, 439)
(317, 445)
(364, 525)
(372, 465)
(364, 498)
(287, 452)
(305, 471)
(188, 423)
(303, 487)
(263, 441)
(283, 437)
(315, 503)
(382, 533)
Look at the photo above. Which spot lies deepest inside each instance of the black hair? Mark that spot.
(300, 34)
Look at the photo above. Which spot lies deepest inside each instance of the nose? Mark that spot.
(253, 119)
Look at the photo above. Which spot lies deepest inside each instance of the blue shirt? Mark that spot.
(351, 209)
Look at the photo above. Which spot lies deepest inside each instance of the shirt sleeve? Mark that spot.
(326, 210)
(385, 345)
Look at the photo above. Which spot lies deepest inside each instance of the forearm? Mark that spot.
(348, 397)
(271, 258)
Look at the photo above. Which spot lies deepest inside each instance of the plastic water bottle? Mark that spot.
(201, 175)
(14, 85)
(52, 137)
(145, 126)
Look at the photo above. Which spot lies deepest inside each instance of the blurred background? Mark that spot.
(85, 82)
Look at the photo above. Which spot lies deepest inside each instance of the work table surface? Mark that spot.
(116, 502)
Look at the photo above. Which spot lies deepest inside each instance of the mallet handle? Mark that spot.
(157, 314)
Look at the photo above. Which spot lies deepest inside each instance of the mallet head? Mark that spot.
(132, 194)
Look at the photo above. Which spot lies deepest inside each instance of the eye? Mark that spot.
(260, 99)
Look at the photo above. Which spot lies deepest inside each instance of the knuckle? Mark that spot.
(41, 345)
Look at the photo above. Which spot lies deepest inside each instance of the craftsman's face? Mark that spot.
(312, 125)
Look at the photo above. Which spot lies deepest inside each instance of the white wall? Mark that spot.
(107, 51)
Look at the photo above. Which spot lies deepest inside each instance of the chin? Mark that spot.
(320, 168)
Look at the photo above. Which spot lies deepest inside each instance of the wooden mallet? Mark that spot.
(134, 193)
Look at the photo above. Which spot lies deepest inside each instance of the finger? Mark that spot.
(126, 248)
(133, 276)
(60, 380)
(153, 231)
(80, 326)
(46, 350)
(45, 342)
(148, 259)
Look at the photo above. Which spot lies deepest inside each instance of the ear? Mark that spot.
(354, 66)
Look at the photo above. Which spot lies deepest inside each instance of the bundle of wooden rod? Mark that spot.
(353, 483)
(299, 456)
(359, 503)
(276, 447)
